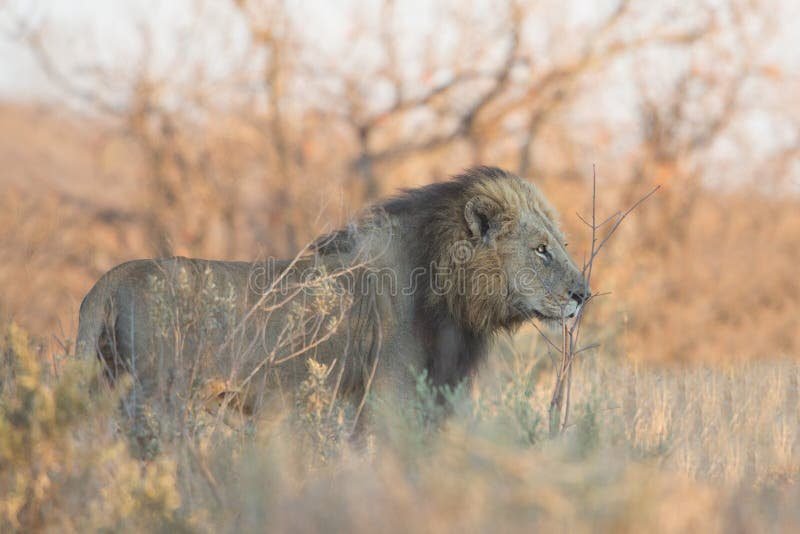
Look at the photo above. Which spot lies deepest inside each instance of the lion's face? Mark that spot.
(517, 237)
(543, 281)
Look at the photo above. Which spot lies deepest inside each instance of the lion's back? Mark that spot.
(138, 306)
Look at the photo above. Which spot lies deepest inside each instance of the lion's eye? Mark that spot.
(542, 250)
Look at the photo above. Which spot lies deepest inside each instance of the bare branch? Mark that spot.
(622, 218)
(560, 399)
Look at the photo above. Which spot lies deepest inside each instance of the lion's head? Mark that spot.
(495, 250)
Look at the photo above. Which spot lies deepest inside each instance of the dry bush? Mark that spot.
(61, 465)
(670, 450)
(648, 449)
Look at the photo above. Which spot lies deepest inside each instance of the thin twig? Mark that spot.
(560, 399)
(622, 218)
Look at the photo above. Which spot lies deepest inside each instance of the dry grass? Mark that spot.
(665, 449)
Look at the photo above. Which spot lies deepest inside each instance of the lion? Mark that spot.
(420, 282)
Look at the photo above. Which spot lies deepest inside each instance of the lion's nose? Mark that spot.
(580, 296)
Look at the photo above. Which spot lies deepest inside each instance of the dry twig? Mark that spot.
(560, 399)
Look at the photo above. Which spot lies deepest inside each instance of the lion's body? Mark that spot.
(365, 301)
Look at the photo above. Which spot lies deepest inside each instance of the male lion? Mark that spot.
(420, 282)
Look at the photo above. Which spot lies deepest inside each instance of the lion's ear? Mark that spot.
(481, 215)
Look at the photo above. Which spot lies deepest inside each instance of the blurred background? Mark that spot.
(243, 128)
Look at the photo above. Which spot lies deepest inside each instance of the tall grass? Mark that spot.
(667, 449)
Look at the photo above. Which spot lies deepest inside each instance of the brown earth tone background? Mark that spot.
(241, 129)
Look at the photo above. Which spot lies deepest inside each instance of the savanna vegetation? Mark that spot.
(243, 129)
